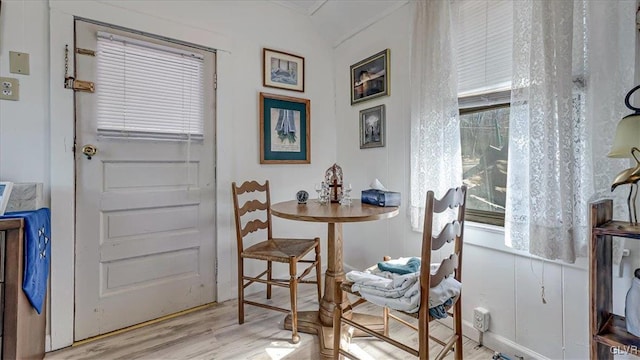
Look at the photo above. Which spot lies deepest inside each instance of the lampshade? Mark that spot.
(626, 144)
(627, 137)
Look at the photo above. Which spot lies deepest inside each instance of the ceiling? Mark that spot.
(338, 20)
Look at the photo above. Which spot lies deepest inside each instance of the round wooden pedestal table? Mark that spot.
(321, 322)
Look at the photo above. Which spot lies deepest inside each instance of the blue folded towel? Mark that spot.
(440, 311)
(412, 266)
(37, 252)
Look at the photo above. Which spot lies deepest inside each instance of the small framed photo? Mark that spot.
(5, 192)
(282, 70)
(372, 127)
(370, 77)
(284, 130)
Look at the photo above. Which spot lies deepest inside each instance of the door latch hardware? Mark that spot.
(87, 52)
(79, 85)
(82, 85)
(69, 81)
(89, 151)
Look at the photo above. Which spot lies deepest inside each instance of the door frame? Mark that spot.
(62, 130)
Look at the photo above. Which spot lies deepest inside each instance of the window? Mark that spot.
(484, 51)
(148, 91)
(484, 135)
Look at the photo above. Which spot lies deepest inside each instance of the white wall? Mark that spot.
(390, 164)
(24, 124)
(31, 129)
(506, 282)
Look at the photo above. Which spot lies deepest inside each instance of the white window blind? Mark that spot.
(145, 90)
(484, 46)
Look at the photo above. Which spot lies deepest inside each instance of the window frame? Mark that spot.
(502, 100)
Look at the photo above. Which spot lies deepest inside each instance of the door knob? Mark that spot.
(89, 150)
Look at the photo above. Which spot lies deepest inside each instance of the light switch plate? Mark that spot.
(9, 89)
(18, 63)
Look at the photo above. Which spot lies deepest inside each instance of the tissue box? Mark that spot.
(26, 196)
(380, 197)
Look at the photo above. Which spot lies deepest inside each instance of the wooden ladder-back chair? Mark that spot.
(453, 231)
(255, 215)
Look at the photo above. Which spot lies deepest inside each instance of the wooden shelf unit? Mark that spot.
(606, 330)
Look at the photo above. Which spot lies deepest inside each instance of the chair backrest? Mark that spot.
(251, 200)
(455, 199)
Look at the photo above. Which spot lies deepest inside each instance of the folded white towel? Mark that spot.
(447, 289)
(410, 301)
(393, 287)
(400, 292)
(408, 304)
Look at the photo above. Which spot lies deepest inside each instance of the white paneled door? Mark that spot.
(145, 231)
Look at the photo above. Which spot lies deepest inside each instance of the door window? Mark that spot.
(146, 90)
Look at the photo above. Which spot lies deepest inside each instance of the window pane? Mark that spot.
(147, 90)
(484, 136)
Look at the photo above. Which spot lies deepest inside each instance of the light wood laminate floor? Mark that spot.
(214, 333)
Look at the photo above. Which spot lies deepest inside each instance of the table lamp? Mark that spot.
(626, 144)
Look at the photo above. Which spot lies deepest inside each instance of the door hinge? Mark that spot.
(87, 52)
(215, 81)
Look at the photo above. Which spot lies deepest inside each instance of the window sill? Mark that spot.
(492, 237)
(494, 229)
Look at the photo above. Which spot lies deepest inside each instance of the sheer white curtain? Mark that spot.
(573, 63)
(436, 162)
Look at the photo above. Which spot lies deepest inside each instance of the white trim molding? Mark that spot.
(495, 342)
(62, 183)
(361, 27)
(309, 8)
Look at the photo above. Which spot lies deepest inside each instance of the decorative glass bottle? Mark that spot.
(632, 305)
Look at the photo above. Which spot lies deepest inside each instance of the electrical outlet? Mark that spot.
(481, 319)
(9, 89)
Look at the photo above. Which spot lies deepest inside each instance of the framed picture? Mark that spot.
(284, 130)
(282, 70)
(5, 192)
(370, 77)
(372, 127)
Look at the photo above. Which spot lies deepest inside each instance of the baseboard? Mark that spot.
(226, 291)
(495, 342)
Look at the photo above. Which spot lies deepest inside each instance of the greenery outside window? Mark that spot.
(484, 139)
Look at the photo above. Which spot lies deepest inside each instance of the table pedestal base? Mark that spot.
(309, 322)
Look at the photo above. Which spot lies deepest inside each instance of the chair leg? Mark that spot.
(457, 325)
(293, 288)
(319, 273)
(423, 335)
(385, 321)
(240, 290)
(269, 271)
(385, 310)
